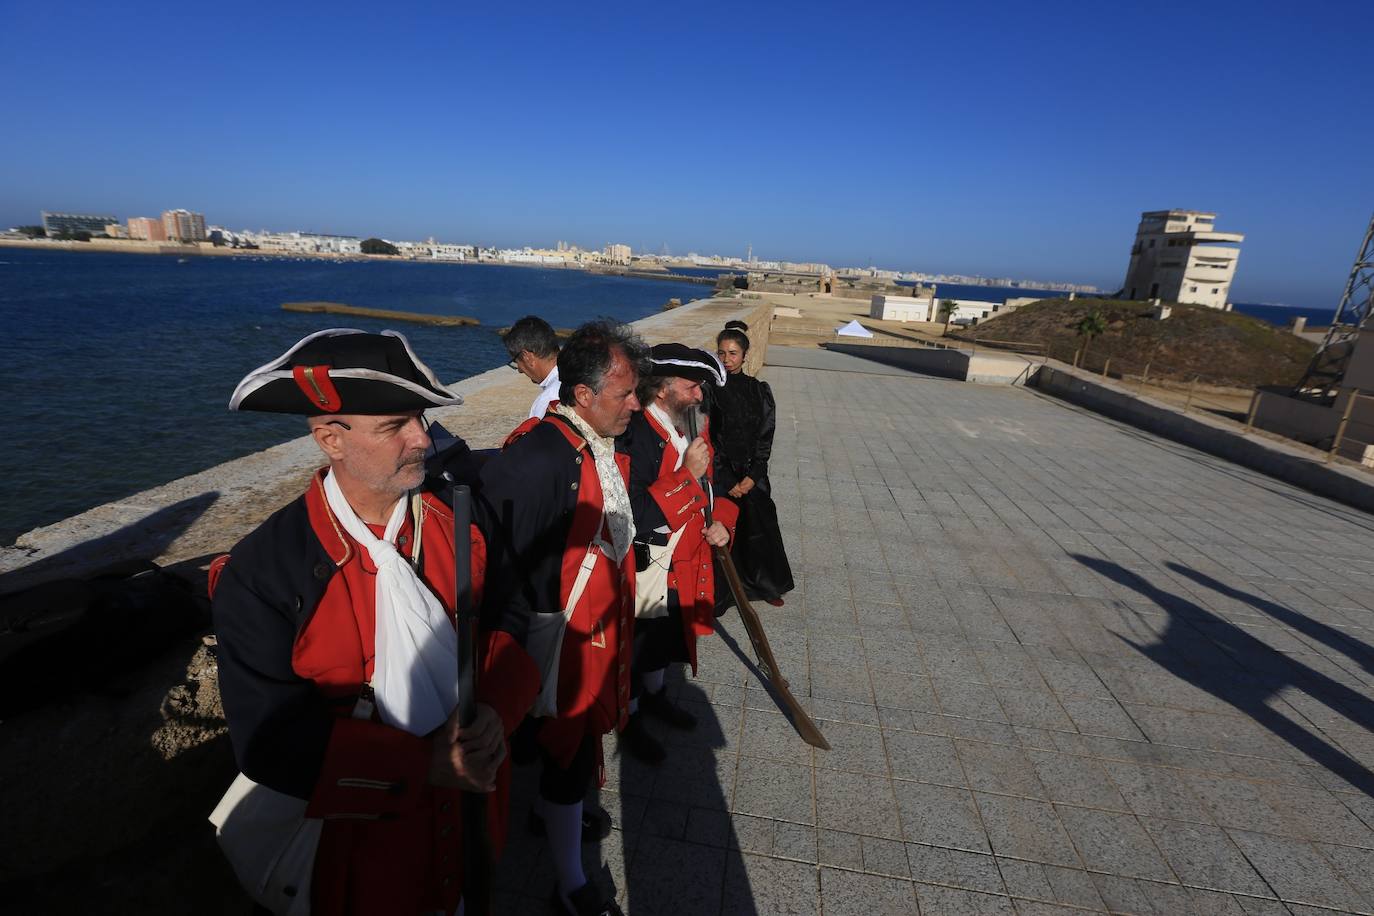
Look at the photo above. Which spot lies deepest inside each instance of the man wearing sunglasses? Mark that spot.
(533, 348)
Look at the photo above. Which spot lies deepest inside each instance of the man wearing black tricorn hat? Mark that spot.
(677, 522)
(337, 648)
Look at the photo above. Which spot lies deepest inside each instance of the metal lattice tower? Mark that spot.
(1327, 369)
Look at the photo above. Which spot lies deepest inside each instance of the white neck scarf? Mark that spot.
(615, 499)
(415, 672)
(679, 440)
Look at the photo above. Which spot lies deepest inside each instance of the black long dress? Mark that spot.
(743, 417)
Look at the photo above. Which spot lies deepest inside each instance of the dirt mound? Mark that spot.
(1223, 348)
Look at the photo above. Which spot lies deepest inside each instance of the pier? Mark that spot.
(339, 308)
(653, 275)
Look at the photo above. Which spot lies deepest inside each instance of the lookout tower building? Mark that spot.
(1179, 258)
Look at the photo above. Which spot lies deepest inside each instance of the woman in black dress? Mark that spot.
(743, 416)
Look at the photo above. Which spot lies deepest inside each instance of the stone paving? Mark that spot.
(1064, 666)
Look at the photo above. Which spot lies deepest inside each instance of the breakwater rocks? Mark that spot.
(140, 760)
(339, 308)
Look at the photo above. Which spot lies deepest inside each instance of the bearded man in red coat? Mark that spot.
(678, 520)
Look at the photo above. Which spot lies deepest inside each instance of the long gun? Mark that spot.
(476, 841)
(753, 625)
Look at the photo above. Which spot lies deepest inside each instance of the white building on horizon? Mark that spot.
(1178, 257)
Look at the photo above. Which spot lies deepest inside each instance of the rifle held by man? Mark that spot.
(476, 841)
(753, 625)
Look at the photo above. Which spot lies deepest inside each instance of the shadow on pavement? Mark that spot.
(1260, 672)
(1358, 652)
(672, 849)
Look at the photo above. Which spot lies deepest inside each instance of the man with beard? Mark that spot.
(336, 642)
(670, 491)
(557, 514)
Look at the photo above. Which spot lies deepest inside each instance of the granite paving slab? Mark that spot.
(1065, 667)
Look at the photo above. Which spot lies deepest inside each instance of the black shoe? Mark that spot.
(660, 707)
(596, 825)
(524, 743)
(587, 900)
(638, 743)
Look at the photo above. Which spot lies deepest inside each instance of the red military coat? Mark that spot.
(295, 647)
(542, 509)
(664, 494)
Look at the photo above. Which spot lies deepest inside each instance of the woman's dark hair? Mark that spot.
(531, 333)
(587, 356)
(738, 337)
(736, 325)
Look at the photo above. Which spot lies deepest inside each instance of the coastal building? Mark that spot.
(116, 231)
(618, 254)
(305, 242)
(808, 267)
(443, 251)
(147, 228)
(183, 225)
(903, 308)
(56, 224)
(540, 256)
(1179, 257)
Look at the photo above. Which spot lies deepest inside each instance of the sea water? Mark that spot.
(116, 369)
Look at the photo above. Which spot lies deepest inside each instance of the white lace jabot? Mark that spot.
(614, 497)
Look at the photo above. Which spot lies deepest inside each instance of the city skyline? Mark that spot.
(1008, 141)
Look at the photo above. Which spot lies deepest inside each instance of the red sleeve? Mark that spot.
(678, 495)
(370, 769)
(509, 681)
(726, 511)
(478, 564)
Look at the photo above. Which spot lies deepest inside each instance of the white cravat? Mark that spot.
(415, 671)
(615, 499)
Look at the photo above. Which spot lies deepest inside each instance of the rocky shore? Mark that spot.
(107, 790)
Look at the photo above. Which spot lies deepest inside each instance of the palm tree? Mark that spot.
(1092, 325)
(947, 309)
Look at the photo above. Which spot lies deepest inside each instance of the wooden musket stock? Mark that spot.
(753, 625)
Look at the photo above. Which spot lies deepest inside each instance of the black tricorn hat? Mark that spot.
(343, 370)
(686, 362)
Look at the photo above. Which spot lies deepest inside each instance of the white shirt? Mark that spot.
(548, 391)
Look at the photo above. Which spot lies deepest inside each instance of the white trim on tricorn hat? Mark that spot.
(686, 362)
(343, 370)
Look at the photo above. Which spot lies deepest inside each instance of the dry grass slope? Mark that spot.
(1225, 348)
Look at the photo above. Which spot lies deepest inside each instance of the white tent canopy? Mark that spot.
(853, 329)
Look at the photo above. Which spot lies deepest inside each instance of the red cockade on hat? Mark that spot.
(315, 383)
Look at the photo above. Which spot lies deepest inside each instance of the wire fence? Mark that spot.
(1343, 430)
(1354, 438)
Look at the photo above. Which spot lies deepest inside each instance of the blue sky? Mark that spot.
(1007, 139)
